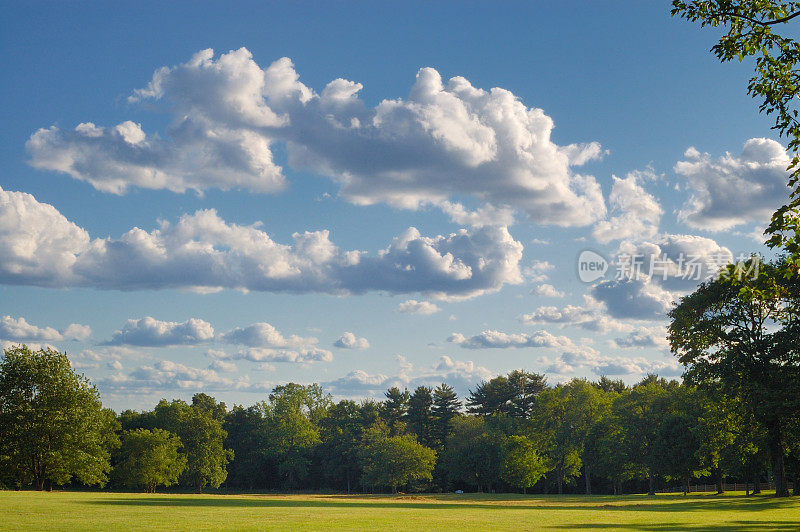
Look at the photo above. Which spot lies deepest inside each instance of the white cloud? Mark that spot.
(547, 290)
(412, 306)
(460, 374)
(38, 245)
(591, 316)
(203, 252)
(613, 366)
(265, 335)
(734, 190)
(536, 272)
(635, 299)
(298, 355)
(150, 332)
(168, 375)
(223, 366)
(634, 212)
(18, 329)
(653, 274)
(643, 337)
(481, 217)
(227, 113)
(492, 339)
(349, 340)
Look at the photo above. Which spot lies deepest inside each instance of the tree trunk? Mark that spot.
(775, 443)
(796, 490)
(588, 479)
(686, 488)
(560, 484)
(39, 484)
(651, 484)
(49, 485)
(756, 484)
(719, 477)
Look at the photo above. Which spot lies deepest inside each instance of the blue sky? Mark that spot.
(221, 157)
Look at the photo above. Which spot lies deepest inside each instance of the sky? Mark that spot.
(200, 197)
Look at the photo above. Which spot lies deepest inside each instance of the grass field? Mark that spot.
(126, 511)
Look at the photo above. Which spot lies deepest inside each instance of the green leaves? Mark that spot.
(766, 30)
(52, 425)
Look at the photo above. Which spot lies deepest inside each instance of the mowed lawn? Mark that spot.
(126, 511)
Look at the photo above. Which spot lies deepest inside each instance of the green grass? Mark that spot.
(126, 511)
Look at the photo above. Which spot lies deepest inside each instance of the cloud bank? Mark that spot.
(40, 247)
(444, 138)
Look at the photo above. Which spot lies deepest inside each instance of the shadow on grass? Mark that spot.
(778, 526)
(662, 504)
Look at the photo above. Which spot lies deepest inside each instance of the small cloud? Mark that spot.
(546, 290)
(349, 340)
(412, 306)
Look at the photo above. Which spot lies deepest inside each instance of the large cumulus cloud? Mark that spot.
(734, 189)
(202, 251)
(443, 139)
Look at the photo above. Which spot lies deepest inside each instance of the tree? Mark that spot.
(564, 418)
(203, 442)
(525, 387)
(491, 398)
(522, 465)
(246, 429)
(420, 415)
(148, 459)
(207, 458)
(205, 402)
(53, 426)
(679, 437)
(754, 29)
(474, 453)
(640, 413)
(512, 395)
(393, 461)
(611, 385)
(446, 407)
(740, 332)
(394, 409)
(292, 416)
(341, 432)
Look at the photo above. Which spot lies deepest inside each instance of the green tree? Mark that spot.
(341, 432)
(205, 402)
(491, 397)
(292, 415)
(767, 31)
(393, 461)
(640, 413)
(474, 453)
(740, 332)
(563, 418)
(203, 440)
(522, 465)
(420, 416)
(446, 407)
(525, 387)
(53, 426)
(246, 429)
(148, 459)
(394, 410)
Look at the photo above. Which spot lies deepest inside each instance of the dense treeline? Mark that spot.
(512, 433)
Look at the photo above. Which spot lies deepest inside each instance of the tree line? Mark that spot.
(511, 433)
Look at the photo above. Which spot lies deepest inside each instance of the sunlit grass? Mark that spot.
(126, 511)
